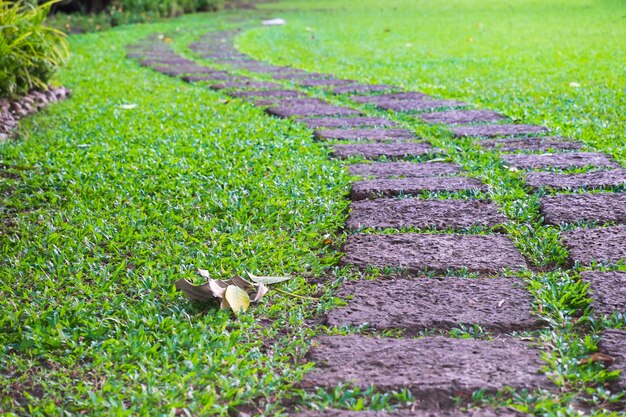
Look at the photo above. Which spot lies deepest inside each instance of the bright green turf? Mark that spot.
(110, 206)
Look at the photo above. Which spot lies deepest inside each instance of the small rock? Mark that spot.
(274, 22)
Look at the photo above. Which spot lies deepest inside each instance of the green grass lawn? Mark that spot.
(105, 207)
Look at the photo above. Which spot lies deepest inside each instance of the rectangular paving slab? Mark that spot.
(412, 186)
(418, 105)
(418, 304)
(498, 130)
(312, 110)
(404, 169)
(415, 252)
(613, 343)
(345, 122)
(607, 290)
(379, 135)
(378, 150)
(363, 88)
(246, 84)
(325, 83)
(415, 212)
(559, 160)
(462, 116)
(570, 208)
(267, 93)
(559, 181)
(413, 413)
(602, 244)
(383, 98)
(434, 369)
(531, 144)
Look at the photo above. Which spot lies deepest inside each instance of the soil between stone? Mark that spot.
(413, 413)
(365, 134)
(531, 144)
(412, 186)
(602, 244)
(608, 291)
(558, 181)
(418, 105)
(416, 253)
(570, 208)
(378, 150)
(613, 343)
(404, 169)
(414, 212)
(433, 369)
(498, 130)
(413, 305)
(313, 110)
(346, 122)
(462, 116)
(559, 160)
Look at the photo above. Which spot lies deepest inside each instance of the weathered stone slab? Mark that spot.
(531, 144)
(419, 105)
(559, 181)
(559, 160)
(245, 84)
(498, 130)
(384, 98)
(346, 122)
(216, 76)
(416, 253)
(169, 60)
(607, 290)
(415, 212)
(417, 304)
(413, 413)
(289, 101)
(363, 88)
(571, 208)
(325, 83)
(312, 110)
(412, 186)
(379, 135)
(267, 93)
(602, 244)
(378, 150)
(175, 71)
(433, 369)
(404, 169)
(294, 74)
(613, 343)
(462, 116)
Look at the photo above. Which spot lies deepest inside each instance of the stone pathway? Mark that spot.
(451, 232)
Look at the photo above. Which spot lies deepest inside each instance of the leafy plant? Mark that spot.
(30, 52)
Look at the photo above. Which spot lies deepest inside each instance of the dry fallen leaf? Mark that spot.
(597, 357)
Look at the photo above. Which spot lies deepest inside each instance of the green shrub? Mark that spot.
(30, 52)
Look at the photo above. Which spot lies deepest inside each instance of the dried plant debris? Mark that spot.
(235, 293)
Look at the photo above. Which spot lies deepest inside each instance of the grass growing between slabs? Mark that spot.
(133, 183)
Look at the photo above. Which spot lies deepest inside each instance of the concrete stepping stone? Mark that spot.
(311, 110)
(267, 93)
(378, 150)
(571, 208)
(462, 116)
(613, 343)
(415, 212)
(363, 88)
(412, 186)
(416, 253)
(607, 290)
(418, 105)
(346, 122)
(325, 83)
(413, 413)
(602, 244)
(379, 135)
(296, 75)
(404, 169)
(559, 160)
(216, 76)
(383, 98)
(433, 369)
(559, 181)
(531, 144)
(245, 84)
(418, 304)
(498, 130)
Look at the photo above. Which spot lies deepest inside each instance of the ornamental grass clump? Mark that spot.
(30, 52)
